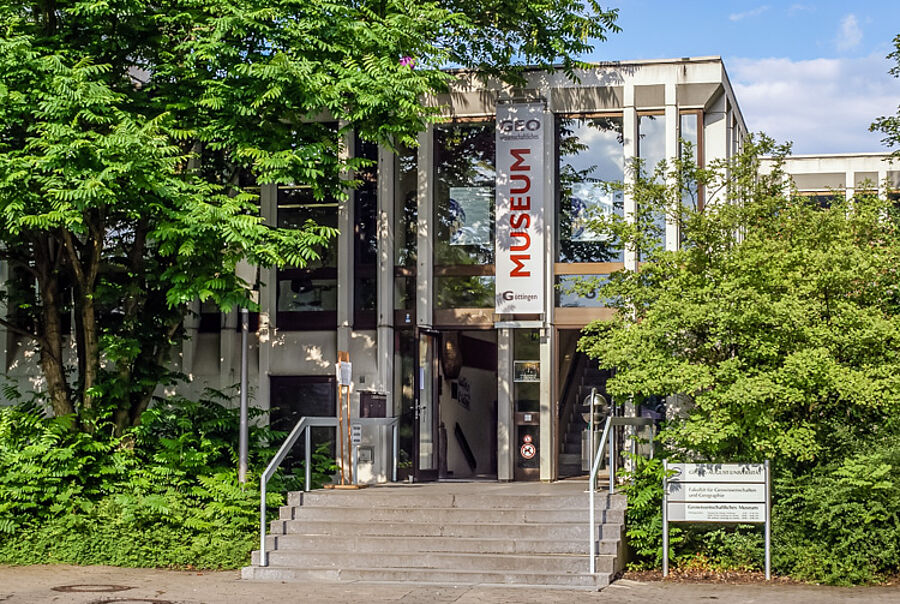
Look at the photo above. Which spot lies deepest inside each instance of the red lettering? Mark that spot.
(525, 187)
(519, 164)
(522, 204)
(520, 221)
(519, 270)
(522, 246)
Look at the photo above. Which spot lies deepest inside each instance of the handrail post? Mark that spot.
(592, 487)
(262, 521)
(308, 465)
(612, 459)
(394, 455)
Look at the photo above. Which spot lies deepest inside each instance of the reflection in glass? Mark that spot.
(566, 297)
(404, 293)
(464, 194)
(688, 144)
(296, 206)
(591, 157)
(306, 294)
(405, 207)
(652, 151)
(464, 292)
(527, 347)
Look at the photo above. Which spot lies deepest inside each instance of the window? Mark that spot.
(464, 194)
(365, 241)
(293, 397)
(406, 215)
(591, 157)
(307, 297)
(652, 151)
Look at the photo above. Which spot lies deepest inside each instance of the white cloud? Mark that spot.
(750, 13)
(800, 8)
(822, 105)
(849, 34)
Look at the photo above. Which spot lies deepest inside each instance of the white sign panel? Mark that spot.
(717, 512)
(718, 472)
(344, 373)
(715, 491)
(355, 434)
(519, 233)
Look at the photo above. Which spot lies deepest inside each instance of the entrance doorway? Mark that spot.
(456, 407)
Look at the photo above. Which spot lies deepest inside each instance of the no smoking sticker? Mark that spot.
(528, 450)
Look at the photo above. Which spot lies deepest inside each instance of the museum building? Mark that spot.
(448, 283)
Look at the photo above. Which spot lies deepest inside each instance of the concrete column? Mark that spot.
(715, 141)
(425, 232)
(673, 128)
(189, 344)
(882, 183)
(345, 260)
(385, 272)
(549, 446)
(629, 133)
(505, 412)
(385, 301)
(549, 450)
(850, 184)
(268, 306)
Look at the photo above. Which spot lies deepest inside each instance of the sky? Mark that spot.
(813, 73)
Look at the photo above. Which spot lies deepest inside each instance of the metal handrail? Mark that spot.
(301, 427)
(597, 454)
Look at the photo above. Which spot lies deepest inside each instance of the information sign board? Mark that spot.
(355, 434)
(707, 492)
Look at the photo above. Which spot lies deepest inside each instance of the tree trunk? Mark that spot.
(50, 329)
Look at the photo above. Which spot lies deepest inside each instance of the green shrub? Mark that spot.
(165, 494)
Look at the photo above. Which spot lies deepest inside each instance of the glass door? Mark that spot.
(527, 397)
(426, 422)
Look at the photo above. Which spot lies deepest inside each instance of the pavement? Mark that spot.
(102, 584)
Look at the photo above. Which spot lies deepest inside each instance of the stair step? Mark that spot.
(429, 576)
(568, 530)
(553, 563)
(393, 543)
(405, 498)
(448, 515)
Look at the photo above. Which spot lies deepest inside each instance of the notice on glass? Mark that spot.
(470, 215)
(716, 512)
(527, 371)
(589, 199)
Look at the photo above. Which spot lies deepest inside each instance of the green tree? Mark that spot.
(134, 136)
(890, 125)
(776, 326)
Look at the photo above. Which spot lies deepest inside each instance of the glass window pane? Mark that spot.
(464, 292)
(652, 151)
(567, 298)
(296, 205)
(591, 156)
(688, 147)
(306, 294)
(405, 207)
(464, 194)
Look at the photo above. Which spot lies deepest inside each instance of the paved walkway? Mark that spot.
(64, 584)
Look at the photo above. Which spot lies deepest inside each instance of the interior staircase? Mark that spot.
(479, 533)
(586, 377)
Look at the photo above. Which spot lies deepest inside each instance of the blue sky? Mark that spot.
(811, 72)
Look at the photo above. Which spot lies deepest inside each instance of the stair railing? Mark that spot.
(303, 427)
(608, 437)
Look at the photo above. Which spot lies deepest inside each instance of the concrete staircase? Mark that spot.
(480, 533)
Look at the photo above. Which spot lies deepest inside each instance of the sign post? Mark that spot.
(717, 492)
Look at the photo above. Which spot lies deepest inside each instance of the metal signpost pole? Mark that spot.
(768, 523)
(244, 428)
(665, 519)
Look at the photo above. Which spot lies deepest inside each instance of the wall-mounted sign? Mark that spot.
(527, 371)
(519, 234)
(345, 373)
(707, 492)
(355, 434)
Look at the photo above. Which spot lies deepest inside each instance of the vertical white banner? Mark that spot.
(519, 232)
